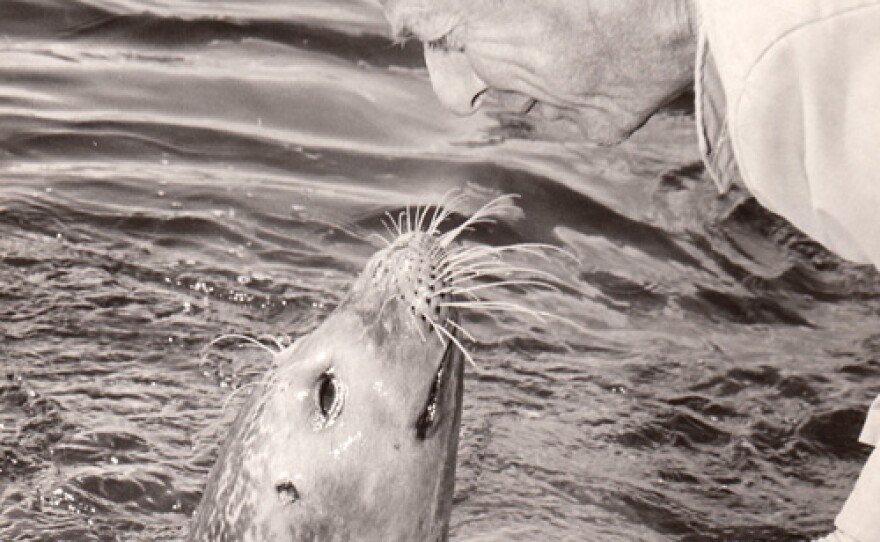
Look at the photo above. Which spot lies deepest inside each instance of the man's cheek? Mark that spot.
(498, 72)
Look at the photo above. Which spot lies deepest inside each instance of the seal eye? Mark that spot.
(326, 394)
(329, 397)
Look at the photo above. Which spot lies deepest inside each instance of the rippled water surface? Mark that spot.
(173, 170)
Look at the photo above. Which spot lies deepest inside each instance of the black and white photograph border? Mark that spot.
(409, 270)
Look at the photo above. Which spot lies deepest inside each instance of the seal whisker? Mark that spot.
(491, 269)
(433, 209)
(443, 210)
(436, 328)
(482, 215)
(420, 217)
(457, 257)
(434, 223)
(274, 340)
(470, 255)
(387, 227)
(236, 391)
(488, 259)
(491, 276)
(458, 345)
(461, 328)
(499, 306)
(534, 249)
(541, 250)
(245, 338)
(381, 237)
(383, 305)
(393, 223)
(455, 290)
(416, 217)
(415, 322)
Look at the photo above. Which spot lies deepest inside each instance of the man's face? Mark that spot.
(604, 65)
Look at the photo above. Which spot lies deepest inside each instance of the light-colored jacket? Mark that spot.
(788, 104)
(860, 516)
(801, 112)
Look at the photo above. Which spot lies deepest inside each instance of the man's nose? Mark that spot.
(456, 84)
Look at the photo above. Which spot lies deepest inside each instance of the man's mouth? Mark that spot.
(509, 102)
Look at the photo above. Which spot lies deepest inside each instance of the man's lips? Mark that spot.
(511, 102)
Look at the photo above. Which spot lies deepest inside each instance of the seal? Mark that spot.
(352, 434)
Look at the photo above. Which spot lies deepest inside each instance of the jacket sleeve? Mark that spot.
(860, 516)
(802, 87)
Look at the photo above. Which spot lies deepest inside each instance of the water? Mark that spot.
(175, 170)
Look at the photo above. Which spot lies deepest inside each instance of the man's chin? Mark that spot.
(545, 123)
(602, 128)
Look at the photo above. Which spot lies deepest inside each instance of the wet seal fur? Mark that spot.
(353, 432)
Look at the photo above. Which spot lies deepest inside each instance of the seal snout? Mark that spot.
(411, 271)
(355, 429)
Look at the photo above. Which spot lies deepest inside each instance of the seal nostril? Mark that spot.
(287, 492)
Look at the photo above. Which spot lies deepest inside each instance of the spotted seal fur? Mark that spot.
(353, 432)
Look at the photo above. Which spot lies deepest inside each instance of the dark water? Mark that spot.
(175, 170)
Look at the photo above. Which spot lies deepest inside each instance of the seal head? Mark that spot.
(353, 433)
